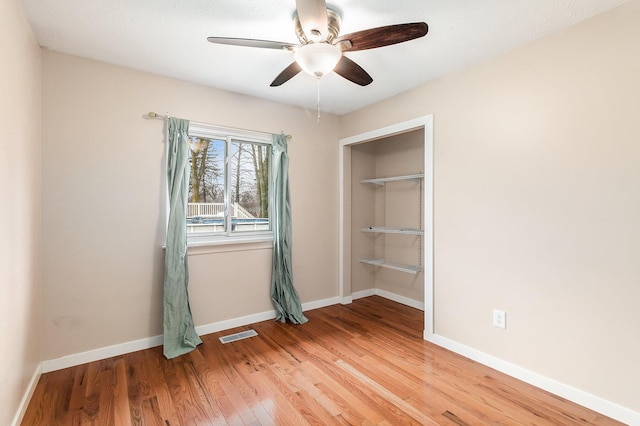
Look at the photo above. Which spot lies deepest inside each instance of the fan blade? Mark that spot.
(352, 71)
(384, 36)
(287, 74)
(249, 42)
(313, 19)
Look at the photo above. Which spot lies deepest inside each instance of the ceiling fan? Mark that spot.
(321, 47)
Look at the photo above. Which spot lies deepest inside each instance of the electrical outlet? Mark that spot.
(499, 318)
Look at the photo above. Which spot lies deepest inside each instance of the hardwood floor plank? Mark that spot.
(220, 389)
(351, 406)
(106, 387)
(373, 400)
(78, 391)
(121, 407)
(159, 389)
(188, 409)
(149, 413)
(137, 386)
(388, 395)
(278, 401)
(361, 364)
(438, 397)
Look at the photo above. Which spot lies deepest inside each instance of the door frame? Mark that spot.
(344, 182)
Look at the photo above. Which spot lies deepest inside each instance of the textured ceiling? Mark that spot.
(168, 37)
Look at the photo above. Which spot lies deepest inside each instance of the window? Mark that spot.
(229, 188)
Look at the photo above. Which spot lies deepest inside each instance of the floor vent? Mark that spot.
(238, 336)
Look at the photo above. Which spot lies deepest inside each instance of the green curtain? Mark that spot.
(284, 296)
(180, 335)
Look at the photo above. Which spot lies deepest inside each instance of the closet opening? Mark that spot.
(386, 218)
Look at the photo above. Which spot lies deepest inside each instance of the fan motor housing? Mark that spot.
(333, 27)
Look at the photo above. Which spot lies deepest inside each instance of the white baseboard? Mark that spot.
(24, 403)
(263, 316)
(362, 294)
(100, 353)
(233, 323)
(346, 300)
(388, 295)
(320, 303)
(578, 396)
(150, 342)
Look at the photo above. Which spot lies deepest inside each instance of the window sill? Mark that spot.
(251, 242)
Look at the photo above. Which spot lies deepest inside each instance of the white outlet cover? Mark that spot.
(499, 318)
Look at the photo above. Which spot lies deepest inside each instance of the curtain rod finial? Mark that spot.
(152, 114)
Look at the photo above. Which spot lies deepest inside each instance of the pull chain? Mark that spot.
(318, 102)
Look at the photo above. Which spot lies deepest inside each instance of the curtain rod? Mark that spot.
(152, 114)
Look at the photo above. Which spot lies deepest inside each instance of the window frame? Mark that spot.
(229, 136)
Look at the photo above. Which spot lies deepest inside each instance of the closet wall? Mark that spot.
(396, 204)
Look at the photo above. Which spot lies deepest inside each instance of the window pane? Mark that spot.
(249, 186)
(205, 208)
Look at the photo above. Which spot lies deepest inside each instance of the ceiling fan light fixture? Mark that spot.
(317, 59)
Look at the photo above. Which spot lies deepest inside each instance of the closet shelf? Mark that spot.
(382, 181)
(387, 230)
(411, 269)
(381, 262)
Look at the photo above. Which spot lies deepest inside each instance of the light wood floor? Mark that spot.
(361, 364)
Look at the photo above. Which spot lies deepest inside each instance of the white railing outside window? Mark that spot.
(208, 217)
(216, 210)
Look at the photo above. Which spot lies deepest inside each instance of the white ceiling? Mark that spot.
(168, 37)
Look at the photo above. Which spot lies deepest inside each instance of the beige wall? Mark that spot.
(537, 200)
(20, 207)
(103, 205)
